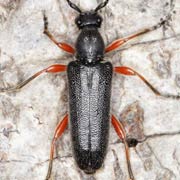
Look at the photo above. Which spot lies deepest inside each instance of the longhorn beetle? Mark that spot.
(89, 83)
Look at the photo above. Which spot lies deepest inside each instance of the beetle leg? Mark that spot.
(122, 135)
(119, 42)
(130, 72)
(58, 132)
(64, 46)
(51, 69)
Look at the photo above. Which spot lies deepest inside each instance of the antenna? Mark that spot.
(100, 6)
(72, 5)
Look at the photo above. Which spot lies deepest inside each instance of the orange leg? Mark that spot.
(130, 72)
(122, 135)
(51, 69)
(119, 42)
(58, 132)
(66, 47)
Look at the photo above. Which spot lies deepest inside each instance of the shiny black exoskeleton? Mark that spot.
(89, 93)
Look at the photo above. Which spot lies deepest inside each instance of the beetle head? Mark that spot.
(89, 18)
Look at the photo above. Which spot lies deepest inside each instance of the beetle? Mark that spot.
(89, 84)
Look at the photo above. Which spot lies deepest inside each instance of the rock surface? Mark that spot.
(28, 117)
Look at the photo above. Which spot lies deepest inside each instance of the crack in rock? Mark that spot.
(117, 169)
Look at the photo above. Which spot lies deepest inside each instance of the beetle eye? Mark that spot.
(98, 20)
(79, 22)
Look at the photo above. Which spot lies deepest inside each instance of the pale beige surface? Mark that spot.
(28, 118)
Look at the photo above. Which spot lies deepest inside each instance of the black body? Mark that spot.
(89, 98)
(89, 95)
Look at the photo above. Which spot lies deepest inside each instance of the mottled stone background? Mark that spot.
(28, 118)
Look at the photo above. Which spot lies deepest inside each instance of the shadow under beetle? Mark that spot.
(89, 82)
